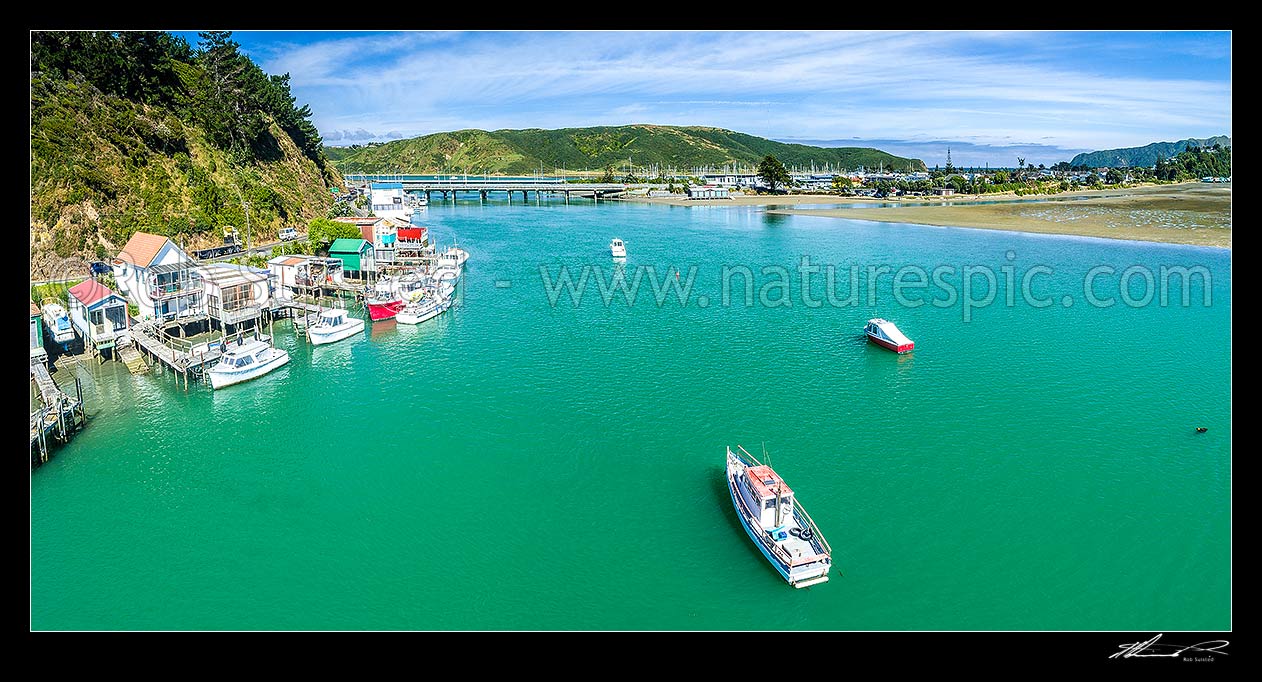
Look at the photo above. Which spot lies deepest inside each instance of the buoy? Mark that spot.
(1201, 429)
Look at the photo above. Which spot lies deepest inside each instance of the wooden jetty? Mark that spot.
(59, 416)
(190, 360)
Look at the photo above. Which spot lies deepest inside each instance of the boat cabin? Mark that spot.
(332, 318)
(248, 353)
(763, 490)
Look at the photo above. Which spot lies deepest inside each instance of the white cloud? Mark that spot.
(829, 84)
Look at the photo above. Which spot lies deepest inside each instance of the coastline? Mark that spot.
(1191, 213)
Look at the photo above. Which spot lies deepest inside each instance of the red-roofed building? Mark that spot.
(157, 276)
(99, 315)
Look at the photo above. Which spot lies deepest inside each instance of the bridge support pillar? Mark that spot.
(567, 197)
(510, 197)
(482, 193)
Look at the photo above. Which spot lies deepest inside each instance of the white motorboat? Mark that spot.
(454, 256)
(245, 360)
(333, 325)
(884, 334)
(617, 248)
(430, 306)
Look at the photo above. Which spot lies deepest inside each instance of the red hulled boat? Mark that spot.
(885, 334)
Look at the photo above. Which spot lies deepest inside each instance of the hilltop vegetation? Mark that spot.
(1144, 156)
(1196, 162)
(579, 149)
(138, 131)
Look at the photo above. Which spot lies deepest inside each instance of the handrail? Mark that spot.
(797, 505)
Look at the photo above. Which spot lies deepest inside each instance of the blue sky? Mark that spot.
(991, 95)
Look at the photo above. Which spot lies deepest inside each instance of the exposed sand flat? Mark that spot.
(1187, 213)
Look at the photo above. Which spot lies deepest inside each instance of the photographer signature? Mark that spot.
(1138, 649)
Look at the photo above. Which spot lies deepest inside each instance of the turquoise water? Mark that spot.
(514, 465)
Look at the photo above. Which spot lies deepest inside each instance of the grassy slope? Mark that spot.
(1143, 156)
(577, 149)
(103, 167)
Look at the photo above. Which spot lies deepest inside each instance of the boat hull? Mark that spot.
(890, 345)
(384, 310)
(221, 379)
(322, 335)
(797, 576)
(406, 317)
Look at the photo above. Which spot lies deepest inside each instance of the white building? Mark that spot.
(387, 201)
(98, 315)
(707, 192)
(299, 275)
(731, 179)
(159, 278)
(234, 293)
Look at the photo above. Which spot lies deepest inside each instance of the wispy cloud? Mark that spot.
(1066, 90)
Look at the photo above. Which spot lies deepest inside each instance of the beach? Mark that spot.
(1191, 213)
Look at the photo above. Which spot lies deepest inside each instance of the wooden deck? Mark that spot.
(59, 416)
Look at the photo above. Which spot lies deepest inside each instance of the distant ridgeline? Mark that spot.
(515, 152)
(138, 131)
(1144, 156)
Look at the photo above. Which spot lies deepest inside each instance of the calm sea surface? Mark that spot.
(520, 465)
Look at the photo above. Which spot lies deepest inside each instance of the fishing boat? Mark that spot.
(617, 248)
(57, 323)
(444, 278)
(244, 360)
(430, 306)
(409, 286)
(333, 325)
(454, 257)
(885, 334)
(384, 302)
(779, 526)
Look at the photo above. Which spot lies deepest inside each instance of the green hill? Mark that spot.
(589, 149)
(137, 131)
(1144, 156)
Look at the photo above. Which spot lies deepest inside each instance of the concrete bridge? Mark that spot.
(450, 187)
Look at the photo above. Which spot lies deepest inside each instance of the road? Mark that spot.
(259, 248)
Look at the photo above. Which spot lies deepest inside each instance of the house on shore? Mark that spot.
(159, 278)
(357, 257)
(707, 192)
(382, 233)
(99, 316)
(235, 294)
(302, 275)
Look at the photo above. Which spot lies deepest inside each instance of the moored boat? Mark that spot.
(776, 522)
(57, 323)
(429, 306)
(885, 334)
(384, 308)
(245, 360)
(454, 256)
(384, 302)
(333, 325)
(617, 248)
